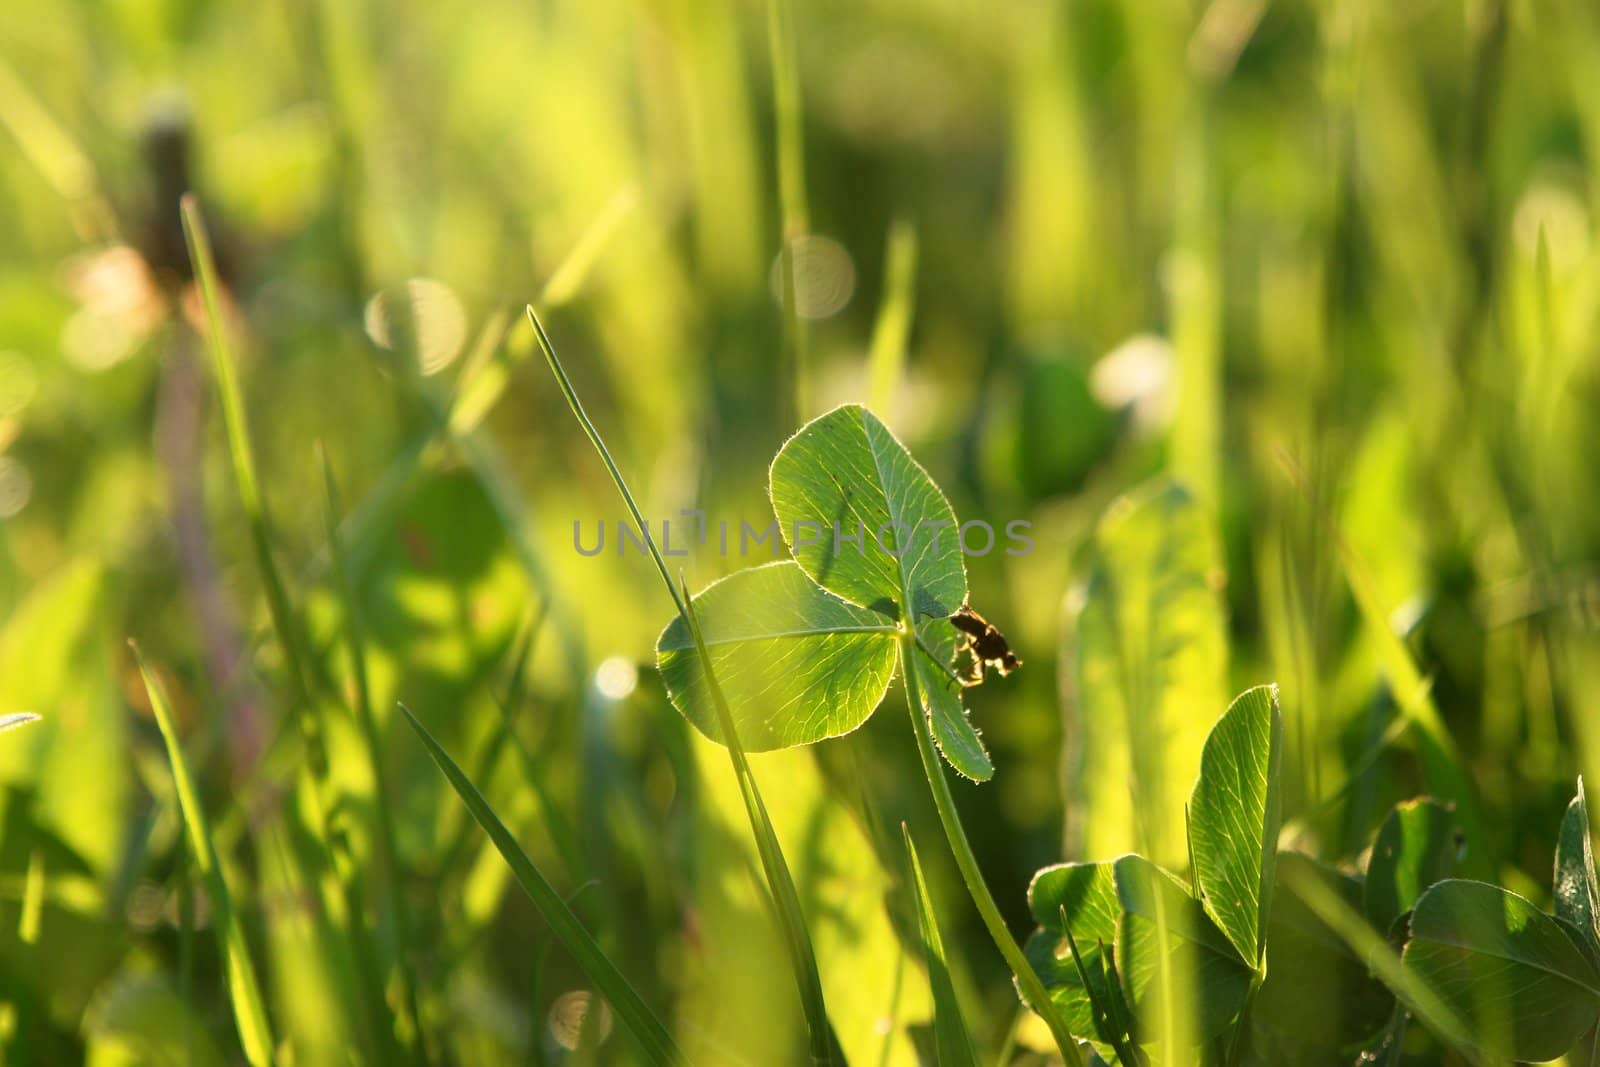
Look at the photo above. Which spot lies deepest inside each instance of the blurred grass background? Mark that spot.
(1064, 247)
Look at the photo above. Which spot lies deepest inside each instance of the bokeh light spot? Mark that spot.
(824, 276)
(569, 1015)
(616, 678)
(420, 313)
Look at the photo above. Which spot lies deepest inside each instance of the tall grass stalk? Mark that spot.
(331, 874)
(246, 480)
(389, 852)
(1441, 760)
(249, 1011)
(1384, 962)
(791, 167)
(887, 357)
(824, 1045)
(647, 1031)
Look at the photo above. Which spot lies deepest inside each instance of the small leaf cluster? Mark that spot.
(1264, 956)
(805, 648)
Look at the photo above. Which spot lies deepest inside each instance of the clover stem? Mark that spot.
(1032, 988)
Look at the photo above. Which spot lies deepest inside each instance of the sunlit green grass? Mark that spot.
(1278, 322)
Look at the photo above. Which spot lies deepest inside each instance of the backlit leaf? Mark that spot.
(1087, 894)
(958, 739)
(1517, 975)
(845, 475)
(1577, 887)
(1176, 965)
(796, 663)
(1234, 815)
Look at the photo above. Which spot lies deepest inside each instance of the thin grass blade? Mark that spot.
(1441, 761)
(949, 1030)
(887, 357)
(249, 1012)
(247, 481)
(652, 1037)
(824, 1044)
(1384, 962)
(394, 883)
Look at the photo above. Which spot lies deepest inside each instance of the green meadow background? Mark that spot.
(1329, 266)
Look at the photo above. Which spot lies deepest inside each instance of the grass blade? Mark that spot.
(331, 879)
(652, 1038)
(791, 166)
(1366, 942)
(949, 1031)
(1441, 762)
(394, 885)
(249, 1013)
(824, 1045)
(32, 899)
(248, 482)
(887, 357)
(802, 955)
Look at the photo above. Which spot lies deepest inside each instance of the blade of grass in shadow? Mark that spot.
(249, 1013)
(791, 167)
(1028, 982)
(389, 854)
(1441, 762)
(786, 898)
(458, 853)
(824, 1045)
(1370, 946)
(949, 1030)
(248, 485)
(246, 479)
(329, 874)
(561, 833)
(648, 1032)
(887, 357)
(186, 946)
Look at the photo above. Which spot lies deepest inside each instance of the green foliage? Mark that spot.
(1274, 949)
(802, 662)
(1319, 1004)
(652, 1037)
(1276, 321)
(949, 1030)
(249, 1011)
(944, 702)
(1577, 886)
(1514, 973)
(797, 664)
(788, 648)
(1146, 665)
(1183, 978)
(846, 468)
(1416, 846)
(1234, 816)
(785, 897)
(1077, 899)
